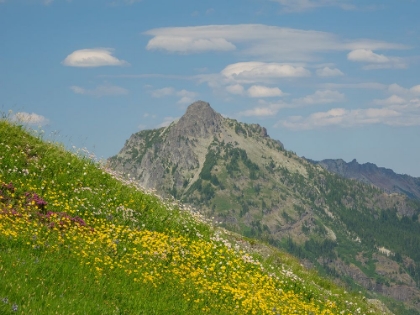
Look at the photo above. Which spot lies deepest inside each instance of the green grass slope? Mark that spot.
(76, 240)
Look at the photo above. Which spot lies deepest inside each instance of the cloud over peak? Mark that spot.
(186, 97)
(258, 40)
(89, 58)
(260, 91)
(254, 71)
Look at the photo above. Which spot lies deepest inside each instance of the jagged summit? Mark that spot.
(199, 106)
(199, 120)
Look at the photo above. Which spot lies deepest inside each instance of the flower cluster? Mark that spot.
(34, 199)
(206, 270)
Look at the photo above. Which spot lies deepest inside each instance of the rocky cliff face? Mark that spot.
(381, 177)
(200, 121)
(237, 174)
(180, 149)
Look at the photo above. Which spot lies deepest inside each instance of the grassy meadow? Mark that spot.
(76, 239)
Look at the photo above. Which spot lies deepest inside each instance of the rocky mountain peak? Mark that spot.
(370, 173)
(199, 108)
(200, 120)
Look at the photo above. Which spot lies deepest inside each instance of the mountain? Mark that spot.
(236, 174)
(369, 173)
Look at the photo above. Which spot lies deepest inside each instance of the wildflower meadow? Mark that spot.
(77, 239)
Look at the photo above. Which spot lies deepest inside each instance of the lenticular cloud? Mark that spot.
(251, 71)
(96, 57)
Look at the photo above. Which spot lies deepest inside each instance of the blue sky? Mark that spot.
(328, 78)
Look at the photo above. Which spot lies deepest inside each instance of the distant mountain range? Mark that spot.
(236, 174)
(369, 173)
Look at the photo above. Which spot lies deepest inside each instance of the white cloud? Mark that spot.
(233, 76)
(186, 97)
(254, 90)
(263, 91)
(342, 118)
(96, 57)
(375, 61)
(328, 72)
(393, 99)
(260, 111)
(262, 41)
(272, 108)
(415, 90)
(265, 109)
(254, 71)
(163, 92)
(395, 111)
(366, 55)
(405, 102)
(321, 97)
(29, 118)
(399, 90)
(189, 45)
(235, 89)
(304, 5)
(101, 90)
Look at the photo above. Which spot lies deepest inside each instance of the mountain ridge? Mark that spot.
(370, 173)
(236, 174)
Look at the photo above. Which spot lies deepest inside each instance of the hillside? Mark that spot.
(74, 239)
(369, 173)
(236, 174)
